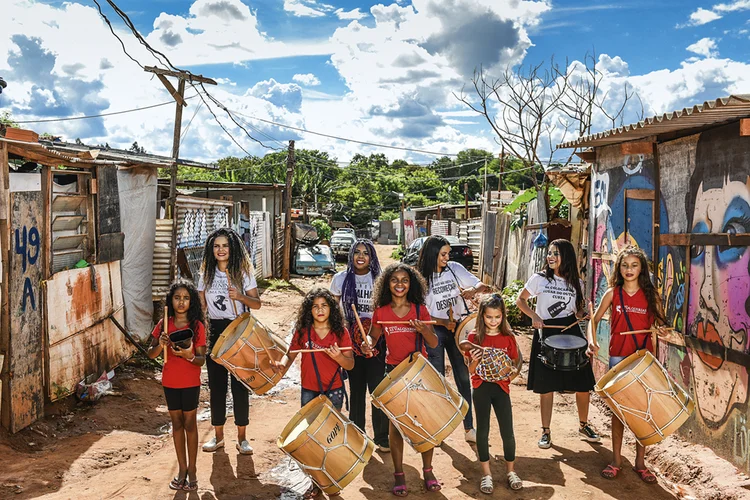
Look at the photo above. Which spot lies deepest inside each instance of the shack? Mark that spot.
(76, 233)
(678, 186)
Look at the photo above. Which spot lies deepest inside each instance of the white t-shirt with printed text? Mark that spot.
(363, 286)
(444, 292)
(217, 296)
(555, 298)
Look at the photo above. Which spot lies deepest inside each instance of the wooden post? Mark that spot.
(288, 213)
(4, 285)
(179, 97)
(403, 226)
(502, 169)
(466, 200)
(656, 212)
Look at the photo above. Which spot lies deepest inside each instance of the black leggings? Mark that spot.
(365, 377)
(217, 385)
(489, 396)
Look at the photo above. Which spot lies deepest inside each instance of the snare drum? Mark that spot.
(419, 403)
(564, 352)
(240, 349)
(645, 398)
(326, 444)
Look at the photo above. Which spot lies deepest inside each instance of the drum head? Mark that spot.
(563, 341)
(465, 327)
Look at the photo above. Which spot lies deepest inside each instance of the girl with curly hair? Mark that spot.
(181, 376)
(399, 296)
(634, 304)
(354, 288)
(227, 288)
(559, 303)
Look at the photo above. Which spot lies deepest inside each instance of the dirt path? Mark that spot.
(121, 448)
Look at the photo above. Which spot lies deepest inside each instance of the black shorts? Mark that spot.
(182, 399)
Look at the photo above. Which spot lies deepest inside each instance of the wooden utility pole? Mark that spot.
(288, 213)
(502, 169)
(179, 97)
(466, 200)
(403, 226)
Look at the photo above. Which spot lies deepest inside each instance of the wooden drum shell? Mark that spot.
(240, 350)
(626, 387)
(419, 402)
(327, 445)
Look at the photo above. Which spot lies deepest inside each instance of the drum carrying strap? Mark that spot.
(630, 326)
(458, 284)
(339, 372)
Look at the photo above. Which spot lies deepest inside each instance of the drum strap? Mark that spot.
(630, 326)
(339, 372)
(458, 284)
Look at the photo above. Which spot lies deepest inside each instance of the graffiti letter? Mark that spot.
(21, 246)
(28, 292)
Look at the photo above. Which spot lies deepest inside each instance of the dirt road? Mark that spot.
(121, 448)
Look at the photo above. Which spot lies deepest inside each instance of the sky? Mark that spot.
(381, 73)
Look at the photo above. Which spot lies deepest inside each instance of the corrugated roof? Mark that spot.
(722, 110)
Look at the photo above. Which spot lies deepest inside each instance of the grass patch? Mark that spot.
(272, 284)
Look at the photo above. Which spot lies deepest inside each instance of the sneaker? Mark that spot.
(213, 445)
(589, 433)
(471, 436)
(546, 440)
(383, 449)
(244, 447)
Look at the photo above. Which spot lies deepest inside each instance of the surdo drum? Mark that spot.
(326, 444)
(419, 403)
(645, 398)
(246, 348)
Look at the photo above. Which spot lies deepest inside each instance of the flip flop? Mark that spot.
(190, 485)
(646, 476)
(176, 484)
(610, 472)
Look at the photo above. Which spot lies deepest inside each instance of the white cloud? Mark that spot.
(737, 5)
(705, 47)
(307, 79)
(300, 9)
(704, 16)
(355, 14)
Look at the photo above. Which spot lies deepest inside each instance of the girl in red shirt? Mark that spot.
(181, 376)
(399, 295)
(320, 325)
(492, 330)
(634, 304)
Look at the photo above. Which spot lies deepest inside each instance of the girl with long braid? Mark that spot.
(226, 264)
(354, 287)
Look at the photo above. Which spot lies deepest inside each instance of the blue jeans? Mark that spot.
(336, 396)
(436, 357)
(614, 360)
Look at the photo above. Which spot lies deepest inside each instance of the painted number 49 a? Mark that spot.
(27, 246)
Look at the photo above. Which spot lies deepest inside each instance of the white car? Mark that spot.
(341, 242)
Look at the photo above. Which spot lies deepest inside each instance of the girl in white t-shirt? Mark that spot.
(559, 302)
(449, 284)
(354, 287)
(227, 288)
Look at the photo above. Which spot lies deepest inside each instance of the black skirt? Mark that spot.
(543, 379)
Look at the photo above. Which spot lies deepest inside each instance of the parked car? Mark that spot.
(314, 260)
(341, 242)
(459, 252)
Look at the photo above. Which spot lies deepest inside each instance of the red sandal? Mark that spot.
(431, 484)
(399, 490)
(646, 476)
(610, 472)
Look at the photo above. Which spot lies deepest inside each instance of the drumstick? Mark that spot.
(555, 327)
(361, 328)
(295, 351)
(234, 306)
(576, 323)
(263, 344)
(650, 330)
(166, 332)
(431, 322)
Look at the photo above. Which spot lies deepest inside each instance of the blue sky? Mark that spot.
(379, 72)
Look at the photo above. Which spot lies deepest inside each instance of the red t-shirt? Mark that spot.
(504, 342)
(327, 366)
(400, 340)
(177, 372)
(640, 319)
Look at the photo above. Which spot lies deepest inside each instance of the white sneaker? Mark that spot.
(244, 447)
(383, 449)
(213, 445)
(471, 436)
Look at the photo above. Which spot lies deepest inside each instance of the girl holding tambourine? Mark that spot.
(559, 302)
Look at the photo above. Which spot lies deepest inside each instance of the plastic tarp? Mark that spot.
(138, 218)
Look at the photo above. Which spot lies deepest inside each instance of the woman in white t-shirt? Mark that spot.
(449, 284)
(226, 266)
(354, 286)
(559, 302)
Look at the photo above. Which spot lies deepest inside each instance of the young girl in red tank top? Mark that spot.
(634, 304)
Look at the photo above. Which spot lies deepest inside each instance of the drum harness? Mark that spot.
(630, 326)
(339, 372)
(458, 284)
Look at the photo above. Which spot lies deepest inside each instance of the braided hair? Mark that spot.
(349, 288)
(239, 259)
